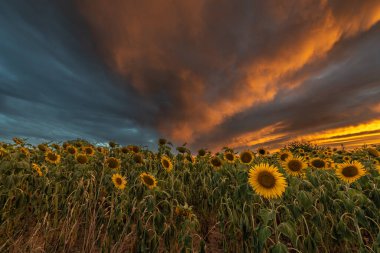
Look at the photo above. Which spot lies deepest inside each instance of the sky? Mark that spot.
(209, 73)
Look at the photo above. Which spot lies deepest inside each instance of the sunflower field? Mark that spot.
(79, 197)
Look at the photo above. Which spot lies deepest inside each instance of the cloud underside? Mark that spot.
(222, 72)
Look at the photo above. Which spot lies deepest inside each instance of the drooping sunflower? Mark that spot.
(216, 162)
(350, 172)
(262, 151)
(246, 157)
(125, 150)
(318, 163)
(229, 157)
(166, 163)
(25, 151)
(267, 181)
(149, 180)
(18, 141)
(113, 163)
(119, 181)
(373, 152)
(37, 169)
(43, 147)
(284, 155)
(89, 150)
(71, 150)
(295, 165)
(81, 158)
(52, 157)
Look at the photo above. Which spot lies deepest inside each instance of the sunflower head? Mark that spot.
(202, 152)
(43, 147)
(81, 158)
(284, 155)
(318, 163)
(125, 150)
(112, 163)
(262, 151)
(112, 144)
(52, 157)
(301, 151)
(246, 157)
(89, 150)
(18, 141)
(166, 163)
(267, 181)
(350, 172)
(119, 181)
(25, 151)
(295, 166)
(216, 162)
(71, 150)
(148, 180)
(37, 168)
(229, 157)
(138, 158)
(189, 159)
(346, 158)
(162, 141)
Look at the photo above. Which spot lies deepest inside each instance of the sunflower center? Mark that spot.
(284, 156)
(246, 157)
(266, 179)
(295, 165)
(137, 158)
(350, 171)
(216, 162)
(71, 150)
(52, 156)
(262, 152)
(318, 163)
(148, 180)
(229, 157)
(112, 163)
(165, 163)
(118, 181)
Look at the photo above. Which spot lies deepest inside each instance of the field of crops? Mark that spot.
(79, 197)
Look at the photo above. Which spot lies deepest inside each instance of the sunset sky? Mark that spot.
(243, 73)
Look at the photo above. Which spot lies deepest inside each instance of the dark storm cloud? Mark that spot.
(52, 88)
(204, 63)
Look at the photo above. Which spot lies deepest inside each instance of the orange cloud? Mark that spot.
(199, 63)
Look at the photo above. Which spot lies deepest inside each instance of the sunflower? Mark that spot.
(112, 163)
(25, 151)
(294, 166)
(18, 141)
(216, 162)
(318, 163)
(229, 157)
(89, 150)
(346, 158)
(149, 180)
(52, 157)
(376, 163)
(43, 147)
(350, 172)
(166, 163)
(162, 141)
(202, 152)
(373, 152)
(246, 157)
(262, 151)
(125, 150)
(119, 181)
(284, 155)
(71, 150)
(3, 152)
(301, 151)
(37, 169)
(267, 181)
(138, 158)
(189, 159)
(81, 158)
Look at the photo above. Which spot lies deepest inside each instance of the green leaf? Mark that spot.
(287, 229)
(279, 248)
